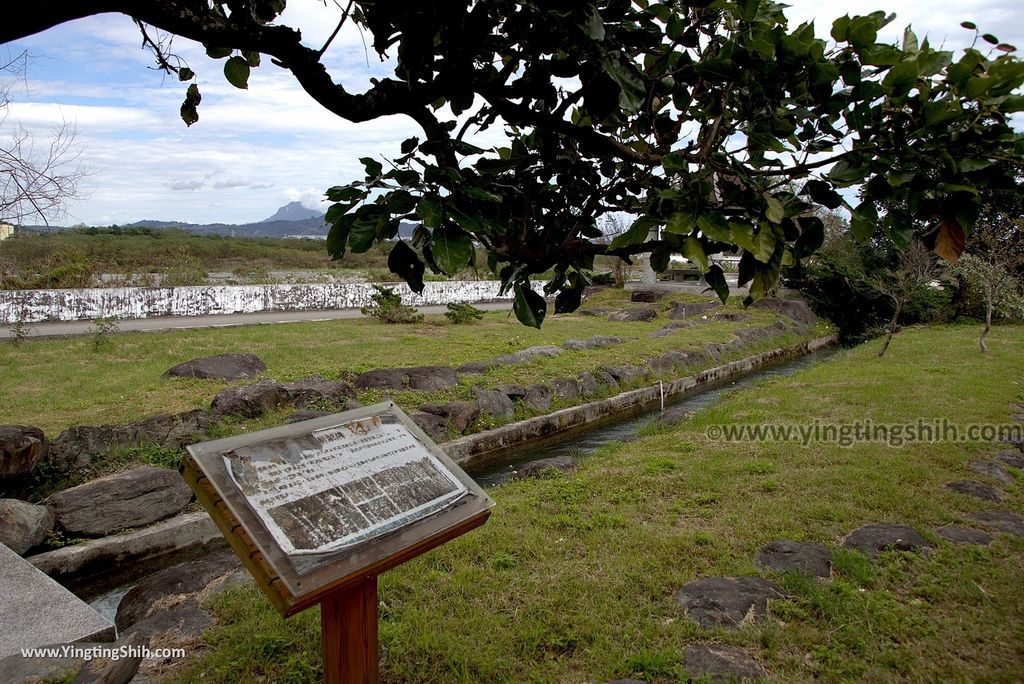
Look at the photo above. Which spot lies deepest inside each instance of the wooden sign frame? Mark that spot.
(296, 582)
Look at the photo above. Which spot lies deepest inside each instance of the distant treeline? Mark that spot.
(78, 257)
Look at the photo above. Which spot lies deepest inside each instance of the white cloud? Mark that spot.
(253, 150)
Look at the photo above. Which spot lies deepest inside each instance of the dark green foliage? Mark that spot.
(837, 283)
(388, 308)
(613, 108)
(463, 313)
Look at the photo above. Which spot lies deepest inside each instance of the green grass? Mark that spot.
(571, 580)
(56, 383)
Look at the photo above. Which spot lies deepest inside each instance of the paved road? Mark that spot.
(66, 329)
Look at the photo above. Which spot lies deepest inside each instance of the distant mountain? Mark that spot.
(311, 225)
(293, 211)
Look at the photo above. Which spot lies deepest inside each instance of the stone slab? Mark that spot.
(36, 611)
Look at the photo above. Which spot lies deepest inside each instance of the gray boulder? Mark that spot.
(250, 401)
(23, 525)
(220, 367)
(77, 446)
(21, 448)
(316, 389)
(691, 309)
(1014, 459)
(721, 663)
(589, 387)
(785, 555)
(513, 392)
(647, 295)
(134, 498)
(626, 375)
(726, 601)
(1001, 521)
(796, 309)
(566, 388)
(538, 397)
(382, 378)
(537, 468)
(171, 430)
(993, 470)
(459, 414)
(593, 342)
(305, 414)
(435, 426)
(431, 378)
(607, 379)
(873, 539)
(494, 403)
(190, 577)
(964, 535)
(640, 314)
(979, 490)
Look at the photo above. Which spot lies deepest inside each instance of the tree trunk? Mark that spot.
(988, 321)
(892, 330)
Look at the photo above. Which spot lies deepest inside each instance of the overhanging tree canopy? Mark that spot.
(713, 120)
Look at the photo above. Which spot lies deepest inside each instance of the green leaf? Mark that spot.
(863, 32)
(864, 221)
(812, 236)
(822, 193)
(742, 235)
(568, 300)
(431, 212)
(404, 263)
(631, 87)
(841, 29)
(451, 248)
(774, 211)
(659, 258)
(909, 40)
(185, 74)
(694, 251)
(373, 167)
(715, 279)
(236, 70)
(901, 78)
(337, 236)
(365, 223)
(636, 234)
(969, 25)
(409, 144)
(764, 244)
(932, 63)
(714, 226)
(681, 223)
(218, 52)
(189, 111)
(594, 27)
(528, 306)
(846, 173)
(748, 9)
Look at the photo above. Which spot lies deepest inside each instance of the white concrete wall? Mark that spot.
(147, 302)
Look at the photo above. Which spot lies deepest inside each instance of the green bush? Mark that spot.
(388, 307)
(463, 313)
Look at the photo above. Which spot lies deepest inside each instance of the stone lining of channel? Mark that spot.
(101, 564)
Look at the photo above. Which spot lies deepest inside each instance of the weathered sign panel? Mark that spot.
(312, 506)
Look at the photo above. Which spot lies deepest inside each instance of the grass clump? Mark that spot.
(387, 307)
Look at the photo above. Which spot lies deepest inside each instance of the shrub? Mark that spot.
(388, 307)
(463, 313)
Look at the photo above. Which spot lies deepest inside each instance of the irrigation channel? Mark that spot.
(580, 444)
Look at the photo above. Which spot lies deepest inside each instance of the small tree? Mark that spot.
(995, 256)
(916, 267)
(388, 307)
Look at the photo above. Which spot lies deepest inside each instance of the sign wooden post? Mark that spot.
(317, 510)
(348, 622)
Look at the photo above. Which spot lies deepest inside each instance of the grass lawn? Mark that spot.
(56, 383)
(572, 578)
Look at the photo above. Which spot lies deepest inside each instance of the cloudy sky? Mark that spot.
(254, 150)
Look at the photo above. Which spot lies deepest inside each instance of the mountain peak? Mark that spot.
(293, 211)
